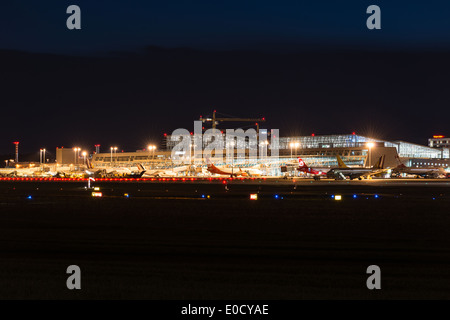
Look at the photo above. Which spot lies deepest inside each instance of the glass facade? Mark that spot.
(298, 145)
(404, 149)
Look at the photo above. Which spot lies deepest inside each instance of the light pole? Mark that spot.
(297, 144)
(370, 145)
(291, 145)
(76, 149)
(84, 157)
(42, 157)
(152, 149)
(294, 145)
(115, 150)
(153, 156)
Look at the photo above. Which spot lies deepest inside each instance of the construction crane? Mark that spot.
(216, 120)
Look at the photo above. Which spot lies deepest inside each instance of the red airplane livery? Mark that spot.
(303, 167)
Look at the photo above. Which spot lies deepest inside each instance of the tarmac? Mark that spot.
(189, 239)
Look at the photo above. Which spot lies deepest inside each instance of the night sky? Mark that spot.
(138, 69)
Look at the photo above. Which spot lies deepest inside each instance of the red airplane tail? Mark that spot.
(211, 167)
(209, 162)
(301, 164)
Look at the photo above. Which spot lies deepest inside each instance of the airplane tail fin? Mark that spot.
(341, 163)
(140, 167)
(301, 164)
(89, 165)
(380, 163)
(400, 164)
(209, 164)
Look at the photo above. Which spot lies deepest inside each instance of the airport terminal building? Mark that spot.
(316, 150)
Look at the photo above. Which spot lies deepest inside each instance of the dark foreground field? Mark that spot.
(167, 242)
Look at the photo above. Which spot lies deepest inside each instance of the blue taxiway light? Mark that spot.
(376, 196)
(203, 195)
(355, 196)
(276, 196)
(30, 197)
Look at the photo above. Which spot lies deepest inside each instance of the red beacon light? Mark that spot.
(313, 135)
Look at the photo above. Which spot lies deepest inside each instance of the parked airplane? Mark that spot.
(419, 172)
(344, 171)
(316, 172)
(26, 172)
(121, 172)
(254, 171)
(165, 172)
(232, 172)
